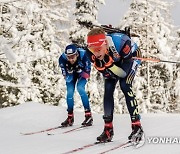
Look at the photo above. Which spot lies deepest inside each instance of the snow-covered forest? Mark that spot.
(34, 33)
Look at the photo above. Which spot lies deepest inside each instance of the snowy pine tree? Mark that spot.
(176, 72)
(35, 31)
(85, 15)
(154, 82)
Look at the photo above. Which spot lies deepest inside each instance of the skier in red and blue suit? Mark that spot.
(76, 68)
(111, 54)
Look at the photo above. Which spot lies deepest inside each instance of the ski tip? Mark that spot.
(25, 134)
(139, 143)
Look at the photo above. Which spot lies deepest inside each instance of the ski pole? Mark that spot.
(155, 60)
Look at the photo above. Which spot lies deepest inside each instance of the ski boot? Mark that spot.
(108, 132)
(137, 135)
(88, 119)
(69, 121)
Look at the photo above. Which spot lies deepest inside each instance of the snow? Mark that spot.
(33, 116)
(6, 48)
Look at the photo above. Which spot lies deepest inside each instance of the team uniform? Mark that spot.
(76, 74)
(117, 66)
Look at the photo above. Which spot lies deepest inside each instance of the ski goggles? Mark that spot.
(95, 49)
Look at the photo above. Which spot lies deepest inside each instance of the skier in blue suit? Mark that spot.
(111, 54)
(76, 68)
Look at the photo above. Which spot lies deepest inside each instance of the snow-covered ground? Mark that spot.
(34, 116)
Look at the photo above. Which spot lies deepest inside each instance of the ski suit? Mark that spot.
(119, 57)
(74, 74)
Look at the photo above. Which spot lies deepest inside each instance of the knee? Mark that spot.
(70, 92)
(80, 89)
(127, 90)
(124, 87)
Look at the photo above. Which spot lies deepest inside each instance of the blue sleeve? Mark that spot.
(62, 64)
(122, 44)
(126, 52)
(87, 64)
(85, 60)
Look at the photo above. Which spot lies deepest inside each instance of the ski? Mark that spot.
(126, 145)
(42, 131)
(139, 143)
(75, 129)
(71, 130)
(123, 145)
(85, 147)
(54, 128)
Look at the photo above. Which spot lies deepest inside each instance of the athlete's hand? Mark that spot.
(84, 75)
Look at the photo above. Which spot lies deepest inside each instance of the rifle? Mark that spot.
(109, 29)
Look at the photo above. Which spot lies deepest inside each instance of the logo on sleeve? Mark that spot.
(126, 49)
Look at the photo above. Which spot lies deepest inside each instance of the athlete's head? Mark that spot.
(71, 53)
(97, 43)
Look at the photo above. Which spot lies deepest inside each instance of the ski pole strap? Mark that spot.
(155, 60)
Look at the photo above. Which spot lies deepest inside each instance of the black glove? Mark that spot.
(103, 64)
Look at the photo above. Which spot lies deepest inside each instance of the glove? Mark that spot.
(103, 64)
(117, 71)
(84, 75)
(138, 62)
